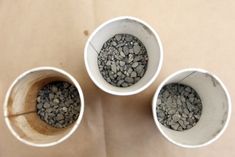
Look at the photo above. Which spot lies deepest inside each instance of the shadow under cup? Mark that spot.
(124, 25)
(216, 108)
(20, 108)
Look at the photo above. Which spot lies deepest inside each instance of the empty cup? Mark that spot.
(216, 108)
(124, 25)
(20, 108)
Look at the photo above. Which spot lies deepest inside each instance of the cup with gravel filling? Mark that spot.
(43, 106)
(123, 56)
(123, 60)
(191, 108)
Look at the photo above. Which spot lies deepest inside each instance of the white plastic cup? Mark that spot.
(126, 25)
(216, 108)
(20, 108)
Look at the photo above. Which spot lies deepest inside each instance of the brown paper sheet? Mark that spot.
(195, 33)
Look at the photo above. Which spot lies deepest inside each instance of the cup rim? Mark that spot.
(157, 123)
(146, 85)
(21, 76)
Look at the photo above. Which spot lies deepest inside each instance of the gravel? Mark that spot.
(179, 107)
(58, 104)
(123, 60)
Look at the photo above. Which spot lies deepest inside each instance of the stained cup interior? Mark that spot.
(126, 25)
(20, 108)
(215, 109)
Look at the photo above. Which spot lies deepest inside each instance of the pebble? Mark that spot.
(182, 107)
(122, 63)
(38, 99)
(124, 84)
(122, 54)
(114, 68)
(59, 117)
(176, 117)
(136, 49)
(131, 50)
(39, 105)
(54, 89)
(46, 105)
(128, 37)
(56, 101)
(51, 96)
(129, 79)
(58, 104)
(118, 37)
(139, 69)
(175, 126)
(133, 74)
(125, 50)
(122, 60)
(120, 82)
(135, 64)
(172, 111)
(114, 43)
(108, 63)
(130, 70)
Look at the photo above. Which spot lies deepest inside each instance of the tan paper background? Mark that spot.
(195, 33)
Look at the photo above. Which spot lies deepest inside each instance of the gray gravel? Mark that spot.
(179, 107)
(58, 104)
(123, 60)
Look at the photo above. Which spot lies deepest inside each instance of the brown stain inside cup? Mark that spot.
(9, 106)
(29, 112)
(33, 119)
(19, 131)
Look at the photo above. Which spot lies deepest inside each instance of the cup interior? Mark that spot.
(215, 109)
(20, 109)
(127, 26)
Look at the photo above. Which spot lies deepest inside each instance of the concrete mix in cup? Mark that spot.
(179, 107)
(58, 104)
(123, 60)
